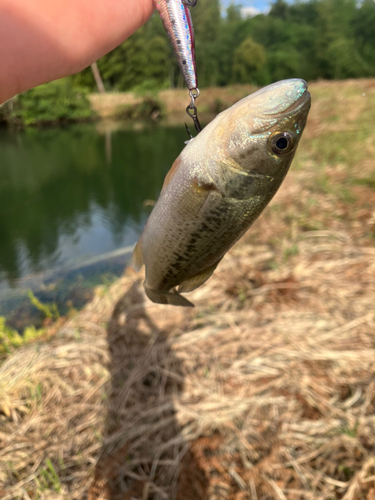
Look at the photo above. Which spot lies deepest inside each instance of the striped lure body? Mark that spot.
(179, 27)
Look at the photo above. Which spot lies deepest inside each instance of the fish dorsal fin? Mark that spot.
(197, 280)
(171, 173)
(137, 259)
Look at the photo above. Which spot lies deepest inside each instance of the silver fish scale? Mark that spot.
(179, 27)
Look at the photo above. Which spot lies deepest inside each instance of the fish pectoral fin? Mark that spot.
(137, 259)
(203, 186)
(171, 173)
(197, 280)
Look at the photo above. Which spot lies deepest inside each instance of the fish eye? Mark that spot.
(282, 143)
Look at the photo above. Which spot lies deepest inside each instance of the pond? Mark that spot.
(73, 201)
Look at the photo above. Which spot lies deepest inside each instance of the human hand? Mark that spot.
(42, 40)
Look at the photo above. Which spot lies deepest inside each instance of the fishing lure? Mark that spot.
(177, 22)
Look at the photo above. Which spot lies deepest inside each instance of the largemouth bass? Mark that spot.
(217, 187)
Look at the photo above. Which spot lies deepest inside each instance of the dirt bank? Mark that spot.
(212, 100)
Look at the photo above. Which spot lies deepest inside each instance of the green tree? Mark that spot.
(338, 56)
(280, 9)
(248, 62)
(284, 63)
(207, 25)
(233, 14)
(135, 61)
(343, 59)
(309, 39)
(144, 59)
(229, 38)
(363, 25)
(207, 20)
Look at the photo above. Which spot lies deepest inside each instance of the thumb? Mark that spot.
(42, 40)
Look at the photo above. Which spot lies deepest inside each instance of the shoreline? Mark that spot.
(164, 106)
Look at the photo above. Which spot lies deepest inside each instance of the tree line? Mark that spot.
(329, 39)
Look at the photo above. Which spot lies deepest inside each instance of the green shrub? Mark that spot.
(54, 102)
(10, 339)
(48, 311)
(6, 110)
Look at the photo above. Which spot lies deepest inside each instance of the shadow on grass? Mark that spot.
(144, 454)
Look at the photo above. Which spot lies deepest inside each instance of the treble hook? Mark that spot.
(190, 3)
(188, 133)
(191, 110)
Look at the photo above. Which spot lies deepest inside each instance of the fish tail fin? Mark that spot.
(137, 259)
(167, 297)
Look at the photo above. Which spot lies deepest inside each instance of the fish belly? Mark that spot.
(186, 249)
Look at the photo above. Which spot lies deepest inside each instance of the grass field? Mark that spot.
(266, 390)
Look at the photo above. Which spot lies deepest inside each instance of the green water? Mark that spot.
(68, 195)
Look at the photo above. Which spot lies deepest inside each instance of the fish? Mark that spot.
(177, 22)
(217, 187)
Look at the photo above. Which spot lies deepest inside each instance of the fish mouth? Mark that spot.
(285, 97)
(279, 103)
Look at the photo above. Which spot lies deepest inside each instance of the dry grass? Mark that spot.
(265, 391)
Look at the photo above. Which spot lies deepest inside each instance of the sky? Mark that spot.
(251, 7)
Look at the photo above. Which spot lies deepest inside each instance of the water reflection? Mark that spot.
(63, 198)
